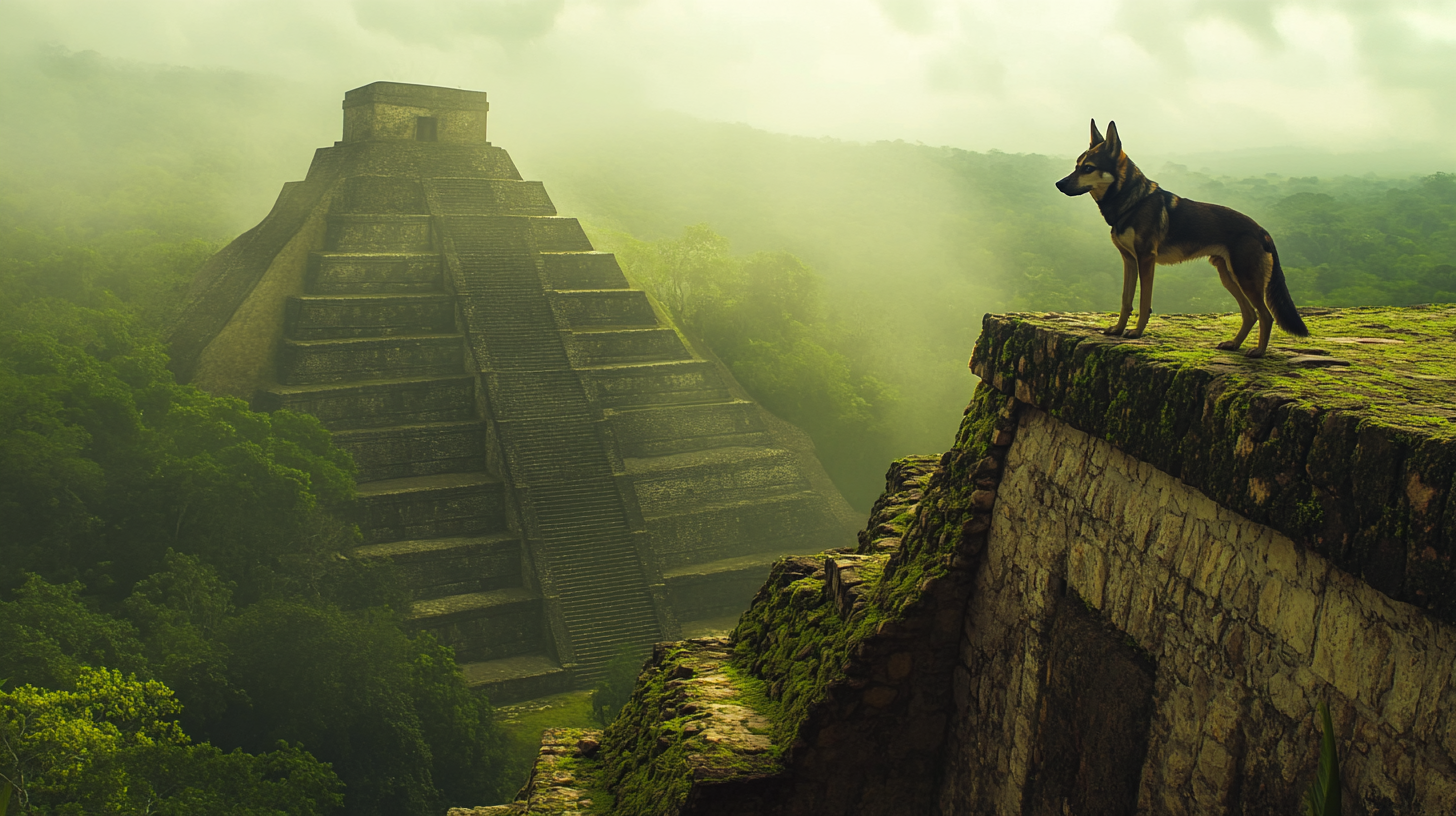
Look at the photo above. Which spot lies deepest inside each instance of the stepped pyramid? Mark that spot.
(554, 471)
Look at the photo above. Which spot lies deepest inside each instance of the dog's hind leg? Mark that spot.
(1146, 267)
(1246, 308)
(1249, 267)
(1129, 285)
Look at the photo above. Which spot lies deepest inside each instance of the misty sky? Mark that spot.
(1180, 76)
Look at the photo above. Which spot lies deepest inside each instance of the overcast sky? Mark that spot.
(1179, 76)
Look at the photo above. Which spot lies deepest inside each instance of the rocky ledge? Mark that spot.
(1345, 441)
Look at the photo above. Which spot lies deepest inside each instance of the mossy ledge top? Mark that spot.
(1345, 440)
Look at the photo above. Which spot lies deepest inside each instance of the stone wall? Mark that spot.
(1245, 633)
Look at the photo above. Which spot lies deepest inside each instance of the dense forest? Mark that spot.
(181, 629)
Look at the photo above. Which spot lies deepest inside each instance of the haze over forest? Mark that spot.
(849, 186)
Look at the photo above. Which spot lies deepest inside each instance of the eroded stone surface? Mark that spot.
(1248, 632)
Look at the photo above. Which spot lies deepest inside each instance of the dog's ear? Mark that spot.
(1096, 137)
(1114, 144)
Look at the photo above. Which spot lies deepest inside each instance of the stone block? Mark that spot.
(559, 235)
(399, 402)
(431, 507)
(332, 273)
(372, 195)
(317, 362)
(682, 483)
(604, 308)
(402, 451)
(683, 381)
(792, 522)
(478, 196)
(483, 625)
(317, 317)
(614, 347)
(672, 429)
(433, 568)
(582, 270)
(379, 233)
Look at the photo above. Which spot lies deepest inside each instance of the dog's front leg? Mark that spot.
(1145, 266)
(1129, 285)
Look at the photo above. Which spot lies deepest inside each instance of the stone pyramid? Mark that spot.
(553, 469)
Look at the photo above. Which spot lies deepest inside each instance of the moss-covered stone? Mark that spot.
(693, 727)
(1344, 441)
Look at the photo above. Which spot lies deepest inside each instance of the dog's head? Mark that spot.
(1098, 168)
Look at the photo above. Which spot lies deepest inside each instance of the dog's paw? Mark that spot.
(1228, 345)
(1132, 334)
(1112, 331)
(1254, 352)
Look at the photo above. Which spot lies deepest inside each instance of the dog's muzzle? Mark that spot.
(1069, 186)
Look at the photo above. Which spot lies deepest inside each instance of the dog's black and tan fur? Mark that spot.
(1152, 226)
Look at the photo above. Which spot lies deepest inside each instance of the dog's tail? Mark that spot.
(1277, 296)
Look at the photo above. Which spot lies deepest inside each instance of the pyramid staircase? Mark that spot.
(374, 350)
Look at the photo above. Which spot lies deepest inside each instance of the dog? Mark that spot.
(1151, 226)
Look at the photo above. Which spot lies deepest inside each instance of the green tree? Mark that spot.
(111, 746)
(390, 712)
(105, 461)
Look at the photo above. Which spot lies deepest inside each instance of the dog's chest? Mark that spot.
(1126, 240)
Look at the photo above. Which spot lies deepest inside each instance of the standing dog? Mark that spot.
(1152, 226)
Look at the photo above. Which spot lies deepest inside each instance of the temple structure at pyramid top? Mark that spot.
(553, 470)
(393, 111)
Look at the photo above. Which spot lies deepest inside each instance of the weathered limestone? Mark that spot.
(534, 447)
(1049, 619)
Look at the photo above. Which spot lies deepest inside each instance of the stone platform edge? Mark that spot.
(1343, 441)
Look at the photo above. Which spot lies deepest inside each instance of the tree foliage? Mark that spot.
(112, 746)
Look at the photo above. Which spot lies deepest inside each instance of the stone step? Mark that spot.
(436, 567)
(513, 679)
(483, 625)
(672, 383)
(317, 362)
(519, 395)
(380, 195)
(610, 347)
(672, 429)
(713, 530)
(333, 273)
(682, 482)
(717, 588)
(379, 403)
(378, 232)
(558, 235)
(324, 317)
(475, 196)
(444, 506)
(582, 270)
(401, 451)
(604, 308)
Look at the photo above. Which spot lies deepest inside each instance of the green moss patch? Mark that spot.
(692, 721)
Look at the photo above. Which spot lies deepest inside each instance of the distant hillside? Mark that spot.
(913, 243)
